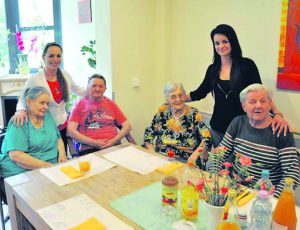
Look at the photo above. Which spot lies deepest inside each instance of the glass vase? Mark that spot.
(23, 67)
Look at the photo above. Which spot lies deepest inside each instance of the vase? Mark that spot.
(23, 67)
(214, 215)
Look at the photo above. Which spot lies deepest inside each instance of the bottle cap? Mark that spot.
(183, 225)
(289, 180)
(265, 173)
(170, 181)
(190, 164)
(263, 194)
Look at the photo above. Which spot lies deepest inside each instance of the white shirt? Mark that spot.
(57, 110)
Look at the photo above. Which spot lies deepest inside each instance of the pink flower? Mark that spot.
(249, 178)
(201, 181)
(227, 164)
(235, 176)
(245, 161)
(224, 172)
(19, 41)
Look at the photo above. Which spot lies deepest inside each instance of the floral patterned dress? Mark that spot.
(181, 135)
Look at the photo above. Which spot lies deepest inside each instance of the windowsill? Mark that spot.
(8, 77)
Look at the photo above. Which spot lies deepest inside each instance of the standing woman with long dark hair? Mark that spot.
(58, 82)
(225, 78)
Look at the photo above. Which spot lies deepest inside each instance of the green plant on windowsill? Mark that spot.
(90, 51)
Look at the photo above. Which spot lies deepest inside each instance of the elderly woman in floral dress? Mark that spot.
(177, 127)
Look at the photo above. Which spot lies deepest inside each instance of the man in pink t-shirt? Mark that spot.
(93, 119)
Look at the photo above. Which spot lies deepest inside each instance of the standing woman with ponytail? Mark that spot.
(225, 78)
(58, 82)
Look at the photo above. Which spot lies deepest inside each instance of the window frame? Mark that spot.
(13, 19)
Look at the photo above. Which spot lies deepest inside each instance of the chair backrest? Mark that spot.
(129, 138)
(2, 135)
(74, 149)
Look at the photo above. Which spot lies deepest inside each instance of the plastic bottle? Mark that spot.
(265, 183)
(261, 212)
(189, 194)
(284, 215)
(229, 219)
(169, 187)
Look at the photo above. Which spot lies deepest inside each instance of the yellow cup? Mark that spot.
(84, 164)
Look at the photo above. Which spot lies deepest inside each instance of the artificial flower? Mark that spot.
(245, 161)
(227, 164)
(212, 188)
(224, 172)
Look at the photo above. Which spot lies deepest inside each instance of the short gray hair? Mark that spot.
(170, 87)
(254, 88)
(33, 92)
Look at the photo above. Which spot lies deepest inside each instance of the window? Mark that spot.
(3, 40)
(39, 22)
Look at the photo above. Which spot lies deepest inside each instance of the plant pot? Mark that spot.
(23, 66)
(214, 215)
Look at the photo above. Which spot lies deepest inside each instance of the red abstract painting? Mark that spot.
(288, 76)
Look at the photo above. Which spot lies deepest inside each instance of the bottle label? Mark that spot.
(276, 226)
(169, 195)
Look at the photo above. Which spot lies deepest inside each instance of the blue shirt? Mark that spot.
(40, 143)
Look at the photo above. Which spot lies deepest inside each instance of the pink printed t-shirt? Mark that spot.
(96, 119)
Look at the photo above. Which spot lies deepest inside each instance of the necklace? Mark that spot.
(226, 94)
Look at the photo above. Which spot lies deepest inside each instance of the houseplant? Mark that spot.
(90, 50)
(85, 49)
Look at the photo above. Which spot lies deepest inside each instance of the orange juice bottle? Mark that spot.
(230, 218)
(284, 215)
(189, 195)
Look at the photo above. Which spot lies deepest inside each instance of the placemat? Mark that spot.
(143, 207)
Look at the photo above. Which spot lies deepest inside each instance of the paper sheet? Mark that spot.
(98, 165)
(135, 160)
(72, 212)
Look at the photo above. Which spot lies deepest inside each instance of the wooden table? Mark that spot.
(31, 191)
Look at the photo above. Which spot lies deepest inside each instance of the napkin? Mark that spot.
(169, 168)
(246, 199)
(71, 172)
(90, 224)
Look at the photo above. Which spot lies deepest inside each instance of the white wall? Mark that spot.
(160, 40)
(74, 36)
(257, 24)
(135, 50)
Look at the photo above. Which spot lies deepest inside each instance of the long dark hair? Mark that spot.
(60, 77)
(228, 31)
